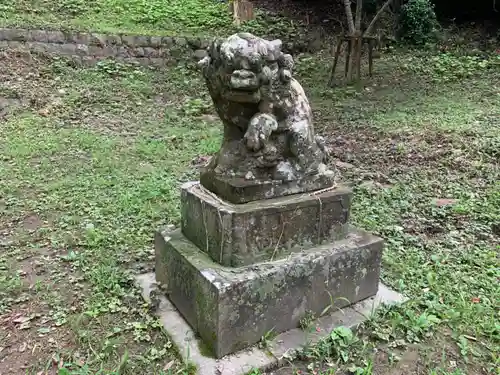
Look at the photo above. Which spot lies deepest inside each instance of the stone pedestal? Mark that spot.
(238, 271)
(236, 235)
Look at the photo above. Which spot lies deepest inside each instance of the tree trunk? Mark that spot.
(355, 40)
(359, 14)
(348, 13)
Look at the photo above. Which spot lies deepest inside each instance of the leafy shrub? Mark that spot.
(418, 22)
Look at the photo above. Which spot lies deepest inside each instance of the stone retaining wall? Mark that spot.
(88, 48)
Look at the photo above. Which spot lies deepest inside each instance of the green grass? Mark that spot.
(145, 17)
(91, 163)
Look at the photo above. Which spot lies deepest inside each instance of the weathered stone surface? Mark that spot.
(138, 52)
(15, 45)
(231, 309)
(97, 39)
(67, 49)
(200, 54)
(163, 52)
(82, 49)
(142, 41)
(79, 38)
(177, 52)
(268, 129)
(11, 34)
(204, 43)
(123, 51)
(129, 40)
(143, 61)
(180, 41)
(242, 190)
(155, 42)
(150, 52)
(156, 61)
(38, 36)
(55, 36)
(21, 35)
(114, 40)
(280, 349)
(95, 50)
(38, 47)
(88, 60)
(167, 41)
(53, 48)
(77, 60)
(235, 235)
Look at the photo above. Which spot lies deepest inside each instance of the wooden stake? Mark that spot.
(236, 12)
(335, 61)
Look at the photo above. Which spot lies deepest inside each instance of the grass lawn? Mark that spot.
(91, 161)
(151, 17)
(145, 17)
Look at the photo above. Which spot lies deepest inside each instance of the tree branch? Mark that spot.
(348, 13)
(375, 19)
(359, 14)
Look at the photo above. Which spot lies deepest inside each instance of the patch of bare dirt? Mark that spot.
(27, 345)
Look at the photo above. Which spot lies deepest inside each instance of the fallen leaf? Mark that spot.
(445, 202)
(25, 325)
(23, 347)
(43, 112)
(21, 319)
(169, 365)
(470, 337)
(43, 330)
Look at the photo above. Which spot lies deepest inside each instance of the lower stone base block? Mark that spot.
(233, 308)
(279, 349)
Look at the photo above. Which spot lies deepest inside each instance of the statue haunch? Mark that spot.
(268, 130)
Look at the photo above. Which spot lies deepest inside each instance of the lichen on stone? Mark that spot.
(268, 125)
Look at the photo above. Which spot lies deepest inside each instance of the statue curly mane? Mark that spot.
(268, 129)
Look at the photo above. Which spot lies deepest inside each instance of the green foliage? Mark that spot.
(448, 67)
(138, 16)
(197, 106)
(193, 14)
(418, 22)
(338, 345)
(75, 7)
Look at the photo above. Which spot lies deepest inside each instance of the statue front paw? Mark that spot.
(254, 140)
(259, 130)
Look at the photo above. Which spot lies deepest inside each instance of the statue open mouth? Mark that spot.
(243, 87)
(242, 96)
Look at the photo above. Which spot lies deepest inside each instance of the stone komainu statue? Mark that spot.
(269, 138)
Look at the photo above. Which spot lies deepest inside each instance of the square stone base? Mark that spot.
(236, 235)
(239, 190)
(279, 350)
(233, 308)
